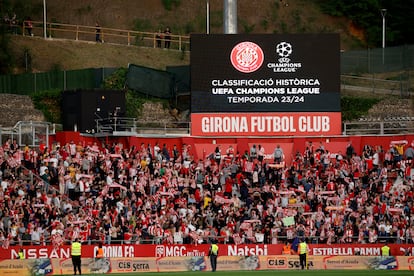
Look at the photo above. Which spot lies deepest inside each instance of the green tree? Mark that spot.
(6, 59)
(367, 15)
(399, 22)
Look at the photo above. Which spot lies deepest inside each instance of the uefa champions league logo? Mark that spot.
(284, 50)
(284, 65)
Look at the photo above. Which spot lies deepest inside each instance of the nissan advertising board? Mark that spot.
(265, 85)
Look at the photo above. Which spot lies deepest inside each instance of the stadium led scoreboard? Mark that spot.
(265, 85)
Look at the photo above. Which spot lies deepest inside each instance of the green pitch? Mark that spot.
(275, 273)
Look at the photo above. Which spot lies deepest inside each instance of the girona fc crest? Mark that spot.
(247, 57)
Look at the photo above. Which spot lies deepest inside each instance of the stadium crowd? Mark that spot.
(151, 193)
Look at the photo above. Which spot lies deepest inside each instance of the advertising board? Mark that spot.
(240, 83)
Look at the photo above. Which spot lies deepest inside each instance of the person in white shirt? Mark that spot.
(178, 236)
(43, 168)
(72, 149)
(4, 185)
(260, 153)
(339, 156)
(67, 206)
(156, 150)
(81, 184)
(376, 159)
(109, 178)
(36, 236)
(55, 200)
(53, 161)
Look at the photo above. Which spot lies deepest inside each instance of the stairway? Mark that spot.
(15, 108)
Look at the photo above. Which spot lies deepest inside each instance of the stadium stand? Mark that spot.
(150, 194)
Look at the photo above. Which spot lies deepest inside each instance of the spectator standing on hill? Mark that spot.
(158, 38)
(167, 37)
(13, 23)
(29, 26)
(98, 30)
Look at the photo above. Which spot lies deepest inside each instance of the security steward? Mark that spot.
(303, 253)
(287, 250)
(99, 252)
(76, 252)
(213, 253)
(21, 254)
(385, 250)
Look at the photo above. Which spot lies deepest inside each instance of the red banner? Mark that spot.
(266, 124)
(180, 250)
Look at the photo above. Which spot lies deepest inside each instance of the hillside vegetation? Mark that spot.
(357, 22)
(53, 54)
(183, 17)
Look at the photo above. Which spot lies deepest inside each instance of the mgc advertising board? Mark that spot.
(265, 85)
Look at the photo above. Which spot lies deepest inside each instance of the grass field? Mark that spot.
(278, 272)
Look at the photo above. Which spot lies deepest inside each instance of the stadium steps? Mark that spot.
(15, 108)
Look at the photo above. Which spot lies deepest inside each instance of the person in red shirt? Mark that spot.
(128, 236)
(239, 178)
(331, 186)
(228, 187)
(197, 195)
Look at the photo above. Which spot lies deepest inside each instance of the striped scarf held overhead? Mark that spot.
(57, 240)
(12, 162)
(6, 243)
(168, 237)
(196, 238)
(237, 239)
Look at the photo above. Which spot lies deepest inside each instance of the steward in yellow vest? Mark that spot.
(213, 253)
(385, 250)
(21, 254)
(303, 250)
(76, 252)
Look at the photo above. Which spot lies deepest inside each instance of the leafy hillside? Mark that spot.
(358, 23)
(189, 16)
(46, 55)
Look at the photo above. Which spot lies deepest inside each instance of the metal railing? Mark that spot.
(120, 126)
(31, 133)
(107, 35)
(222, 240)
(398, 125)
(402, 87)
